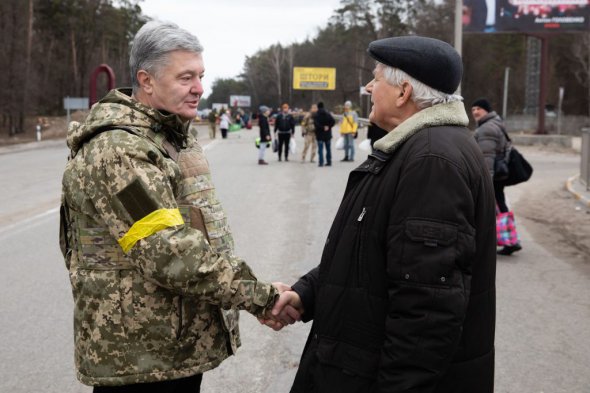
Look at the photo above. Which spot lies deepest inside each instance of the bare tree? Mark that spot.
(277, 58)
(581, 53)
(27, 78)
(50, 47)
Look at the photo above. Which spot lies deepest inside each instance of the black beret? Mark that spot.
(483, 103)
(433, 62)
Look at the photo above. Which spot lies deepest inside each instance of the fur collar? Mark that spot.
(450, 114)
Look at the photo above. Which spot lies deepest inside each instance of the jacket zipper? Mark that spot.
(359, 255)
(362, 215)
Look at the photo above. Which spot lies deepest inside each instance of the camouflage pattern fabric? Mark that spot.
(167, 308)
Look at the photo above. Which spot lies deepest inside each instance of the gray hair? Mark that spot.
(152, 44)
(423, 96)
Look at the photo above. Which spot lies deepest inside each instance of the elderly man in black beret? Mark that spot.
(403, 299)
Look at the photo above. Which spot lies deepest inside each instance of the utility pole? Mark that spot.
(505, 98)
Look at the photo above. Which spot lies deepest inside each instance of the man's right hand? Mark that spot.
(286, 310)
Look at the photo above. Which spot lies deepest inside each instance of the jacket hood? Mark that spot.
(119, 109)
(449, 114)
(491, 117)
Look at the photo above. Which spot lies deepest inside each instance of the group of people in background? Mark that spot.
(316, 130)
(223, 119)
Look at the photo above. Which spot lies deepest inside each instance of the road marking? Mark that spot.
(210, 145)
(27, 222)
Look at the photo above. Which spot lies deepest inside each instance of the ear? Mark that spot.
(405, 94)
(145, 81)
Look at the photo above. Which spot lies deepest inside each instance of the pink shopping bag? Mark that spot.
(506, 229)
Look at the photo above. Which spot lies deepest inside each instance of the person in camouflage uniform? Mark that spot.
(308, 131)
(212, 118)
(156, 286)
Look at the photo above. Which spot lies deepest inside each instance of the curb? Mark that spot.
(25, 146)
(577, 195)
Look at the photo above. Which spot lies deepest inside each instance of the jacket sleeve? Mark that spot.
(306, 288)
(430, 246)
(166, 251)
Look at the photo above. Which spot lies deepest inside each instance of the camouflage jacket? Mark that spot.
(155, 283)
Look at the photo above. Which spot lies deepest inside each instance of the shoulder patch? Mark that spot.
(136, 200)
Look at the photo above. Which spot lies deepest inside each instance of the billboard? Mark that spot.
(527, 16)
(314, 78)
(239, 101)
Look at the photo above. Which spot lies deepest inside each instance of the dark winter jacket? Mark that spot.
(491, 138)
(264, 128)
(404, 297)
(285, 123)
(323, 118)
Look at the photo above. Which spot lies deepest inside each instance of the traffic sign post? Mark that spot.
(74, 103)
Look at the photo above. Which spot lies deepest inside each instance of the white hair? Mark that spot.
(152, 45)
(422, 95)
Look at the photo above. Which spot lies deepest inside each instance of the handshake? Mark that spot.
(286, 311)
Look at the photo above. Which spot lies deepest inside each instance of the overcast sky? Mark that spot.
(230, 30)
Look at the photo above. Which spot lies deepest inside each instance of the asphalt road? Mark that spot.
(280, 215)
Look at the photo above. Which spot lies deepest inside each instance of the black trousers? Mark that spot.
(224, 133)
(284, 138)
(500, 198)
(184, 385)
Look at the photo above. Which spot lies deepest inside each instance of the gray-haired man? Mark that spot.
(403, 299)
(149, 251)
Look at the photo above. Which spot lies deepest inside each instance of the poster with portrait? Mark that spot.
(527, 16)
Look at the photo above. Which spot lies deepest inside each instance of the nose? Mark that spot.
(369, 86)
(197, 88)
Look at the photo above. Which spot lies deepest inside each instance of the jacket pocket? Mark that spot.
(345, 367)
(230, 319)
(429, 252)
(347, 264)
(98, 250)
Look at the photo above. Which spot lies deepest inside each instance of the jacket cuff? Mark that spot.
(308, 302)
(265, 296)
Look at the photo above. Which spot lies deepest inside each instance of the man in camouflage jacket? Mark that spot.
(155, 283)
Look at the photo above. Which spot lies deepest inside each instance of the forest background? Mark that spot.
(50, 48)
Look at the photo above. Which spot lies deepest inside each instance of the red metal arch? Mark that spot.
(111, 81)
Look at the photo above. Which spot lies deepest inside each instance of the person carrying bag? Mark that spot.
(506, 166)
(348, 132)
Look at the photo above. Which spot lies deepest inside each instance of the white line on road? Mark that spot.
(210, 145)
(26, 223)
